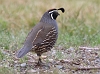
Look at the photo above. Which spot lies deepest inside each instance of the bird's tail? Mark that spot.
(24, 50)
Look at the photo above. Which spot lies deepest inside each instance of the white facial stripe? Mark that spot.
(52, 16)
(52, 11)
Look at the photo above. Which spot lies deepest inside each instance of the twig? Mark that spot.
(88, 48)
(86, 68)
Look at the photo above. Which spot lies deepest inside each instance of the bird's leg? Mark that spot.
(39, 61)
(41, 64)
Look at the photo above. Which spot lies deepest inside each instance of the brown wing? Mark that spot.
(47, 43)
(37, 35)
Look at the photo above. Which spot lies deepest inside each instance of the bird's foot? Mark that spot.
(40, 64)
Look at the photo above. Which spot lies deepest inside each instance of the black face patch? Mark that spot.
(54, 15)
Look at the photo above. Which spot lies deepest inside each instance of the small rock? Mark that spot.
(32, 70)
(23, 65)
(50, 60)
(15, 61)
(43, 57)
(71, 48)
(59, 66)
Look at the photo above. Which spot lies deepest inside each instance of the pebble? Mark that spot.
(32, 70)
(59, 66)
(23, 64)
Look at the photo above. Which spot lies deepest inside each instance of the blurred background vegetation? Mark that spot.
(78, 26)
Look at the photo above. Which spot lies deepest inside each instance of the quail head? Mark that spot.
(43, 36)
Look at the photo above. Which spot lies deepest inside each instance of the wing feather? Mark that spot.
(37, 35)
(26, 48)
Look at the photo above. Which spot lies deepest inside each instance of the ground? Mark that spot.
(71, 61)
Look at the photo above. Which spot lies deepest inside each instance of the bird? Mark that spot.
(43, 35)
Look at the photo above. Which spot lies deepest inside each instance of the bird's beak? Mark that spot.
(58, 14)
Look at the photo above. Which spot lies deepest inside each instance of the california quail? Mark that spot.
(43, 36)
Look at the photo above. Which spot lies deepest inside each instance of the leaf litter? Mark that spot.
(61, 60)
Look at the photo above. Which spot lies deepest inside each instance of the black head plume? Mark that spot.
(62, 9)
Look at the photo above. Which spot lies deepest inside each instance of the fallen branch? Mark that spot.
(88, 48)
(85, 68)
